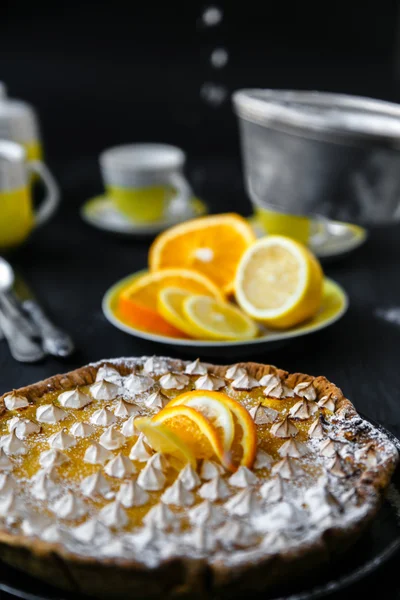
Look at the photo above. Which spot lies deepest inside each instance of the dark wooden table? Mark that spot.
(72, 265)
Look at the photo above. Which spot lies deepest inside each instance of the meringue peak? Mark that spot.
(61, 440)
(104, 390)
(210, 469)
(120, 467)
(189, 477)
(124, 410)
(52, 458)
(113, 515)
(74, 399)
(263, 415)
(156, 400)
(177, 495)
(174, 381)
(102, 417)
(151, 479)
(244, 503)
(209, 383)
(112, 439)
(95, 485)
(68, 507)
(206, 513)
(235, 371)
(160, 516)
(49, 413)
(140, 451)
(306, 389)
(245, 382)
(81, 430)
(215, 489)
(137, 384)
(284, 428)
(293, 449)
(131, 494)
(196, 368)
(243, 478)
(96, 454)
(15, 401)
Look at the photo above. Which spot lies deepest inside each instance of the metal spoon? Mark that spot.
(22, 347)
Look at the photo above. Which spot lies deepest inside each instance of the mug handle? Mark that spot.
(52, 198)
(179, 204)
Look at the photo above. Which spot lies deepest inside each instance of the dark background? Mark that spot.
(110, 72)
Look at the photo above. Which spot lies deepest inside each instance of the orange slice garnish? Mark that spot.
(145, 318)
(194, 430)
(211, 245)
(213, 409)
(244, 446)
(144, 290)
(163, 440)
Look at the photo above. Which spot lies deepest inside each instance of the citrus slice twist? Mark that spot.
(163, 440)
(244, 445)
(214, 410)
(194, 429)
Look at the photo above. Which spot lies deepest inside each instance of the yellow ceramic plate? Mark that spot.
(334, 305)
(101, 212)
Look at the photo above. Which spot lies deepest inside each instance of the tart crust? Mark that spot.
(119, 578)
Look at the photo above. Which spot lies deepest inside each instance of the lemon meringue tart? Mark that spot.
(158, 477)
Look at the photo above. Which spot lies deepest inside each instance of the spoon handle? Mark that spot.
(22, 348)
(55, 341)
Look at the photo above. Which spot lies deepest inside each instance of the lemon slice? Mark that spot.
(279, 282)
(161, 439)
(216, 320)
(170, 307)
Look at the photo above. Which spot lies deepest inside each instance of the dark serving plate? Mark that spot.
(375, 547)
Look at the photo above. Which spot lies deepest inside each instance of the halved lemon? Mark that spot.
(216, 320)
(170, 307)
(163, 440)
(195, 431)
(211, 245)
(279, 282)
(213, 409)
(244, 445)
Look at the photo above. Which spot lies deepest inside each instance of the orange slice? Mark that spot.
(244, 446)
(194, 430)
(145, 318)
(211, 245)
(163, 440)
(213, 409)
(144, 289)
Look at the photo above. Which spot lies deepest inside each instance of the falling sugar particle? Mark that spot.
(219, 58)
(392, 315)
(212, 16)
(213, 93)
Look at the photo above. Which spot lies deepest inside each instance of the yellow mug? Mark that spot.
(18, 216)
(145, 181)
(302, 228)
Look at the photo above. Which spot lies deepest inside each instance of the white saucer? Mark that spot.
(100, 212)
(339, 239)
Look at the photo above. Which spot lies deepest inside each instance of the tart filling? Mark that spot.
(76, 471)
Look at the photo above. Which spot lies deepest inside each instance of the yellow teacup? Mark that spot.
(145, 181)
(17, 214)
(297, 227)
(147, 204)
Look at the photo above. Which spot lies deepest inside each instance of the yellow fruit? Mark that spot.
(211, 245)
(144, 289)
(170, 307)
(244, 444)
(279, 282)
(161, 439)
(193, 429)
(212, 319)
(211, 407)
